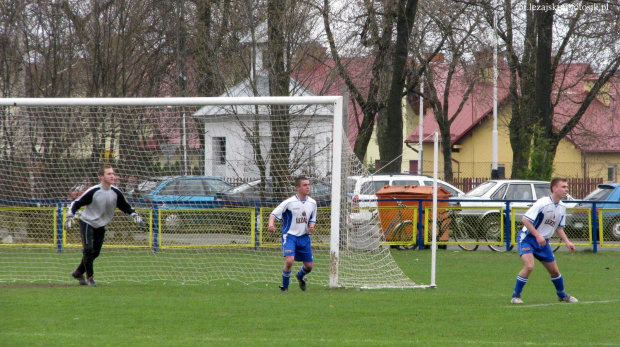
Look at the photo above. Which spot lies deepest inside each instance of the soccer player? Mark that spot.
(298, 215)
(101, 202)
(546, 216)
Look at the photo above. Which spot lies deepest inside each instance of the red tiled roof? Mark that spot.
(596, 132)
(323, 79)
(478, 106)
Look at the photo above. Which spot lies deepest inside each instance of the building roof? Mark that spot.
(322, 78)
(245, 89)
(596, 132)
(477, 108)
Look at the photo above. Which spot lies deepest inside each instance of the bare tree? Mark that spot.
(454, 30)
(373, 28)
(536, 73)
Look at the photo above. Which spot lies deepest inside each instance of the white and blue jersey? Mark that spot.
(546, 216)
(296, 215)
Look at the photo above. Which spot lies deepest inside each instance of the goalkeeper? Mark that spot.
(298, 215)
(101, 202)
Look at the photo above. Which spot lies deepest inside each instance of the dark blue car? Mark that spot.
(184, 191)
(609, 208)
(172, 195)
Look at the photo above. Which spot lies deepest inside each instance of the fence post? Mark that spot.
(420, 235)
(595, 227)
(59, 227)
(155, 228)
(507, 226)
(257, 225)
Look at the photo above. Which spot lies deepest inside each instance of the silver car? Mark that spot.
(483, 207)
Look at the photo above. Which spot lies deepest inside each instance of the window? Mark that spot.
(481, 189)
(611, 174)
(320, 188)
(542, 190)
(219, 150)
(519, 192)
(169, 189)
(213, 186)
(450, 190)
(371, 187)
(499, 194)
(190, 187)
(405, 183)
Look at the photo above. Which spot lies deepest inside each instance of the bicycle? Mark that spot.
(399, 229)
(487, 230)
(450, 221)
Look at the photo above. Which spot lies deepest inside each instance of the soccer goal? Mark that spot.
(204, 173)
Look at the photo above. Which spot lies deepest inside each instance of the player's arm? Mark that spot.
(272, 220)
(83, 200)
(562, 234)
(312, 221)
(276, 214)
(563, 237)
(123, 205)
(527, 223)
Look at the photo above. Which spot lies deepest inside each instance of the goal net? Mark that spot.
(204, 173)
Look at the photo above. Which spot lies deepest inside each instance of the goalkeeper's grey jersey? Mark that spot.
(101, 203)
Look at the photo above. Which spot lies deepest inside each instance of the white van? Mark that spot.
(362, 190)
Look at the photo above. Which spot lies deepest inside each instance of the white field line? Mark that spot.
(560, 303)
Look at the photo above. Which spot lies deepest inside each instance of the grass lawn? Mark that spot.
(470, 306)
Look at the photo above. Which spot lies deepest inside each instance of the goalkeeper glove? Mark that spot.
(136, 218)
(69, 221)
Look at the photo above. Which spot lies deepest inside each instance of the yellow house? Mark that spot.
(410, 154)
(592, 150)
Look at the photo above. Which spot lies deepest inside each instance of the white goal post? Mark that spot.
(174, 157)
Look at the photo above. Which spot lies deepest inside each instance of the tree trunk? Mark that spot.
(278, 86)
(523, 111)
(390, 123)
(541, 161)
(446, 149)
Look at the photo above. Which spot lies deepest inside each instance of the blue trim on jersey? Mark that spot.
(287, 219)
(539, 220)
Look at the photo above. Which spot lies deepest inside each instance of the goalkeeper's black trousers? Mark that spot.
(92, 241)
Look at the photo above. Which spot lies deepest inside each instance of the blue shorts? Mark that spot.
(297, 246)
(527, 244)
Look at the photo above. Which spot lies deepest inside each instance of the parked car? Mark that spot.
(249, 193)
(183, 191)
(146, 187)
(362, 191)
(488, 222)
(610, 192)
(495, 190)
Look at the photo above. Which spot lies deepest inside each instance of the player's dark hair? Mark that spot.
(103, 168)
(555, 181)
(298, 180)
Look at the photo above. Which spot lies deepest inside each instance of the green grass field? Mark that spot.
(470, 306)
